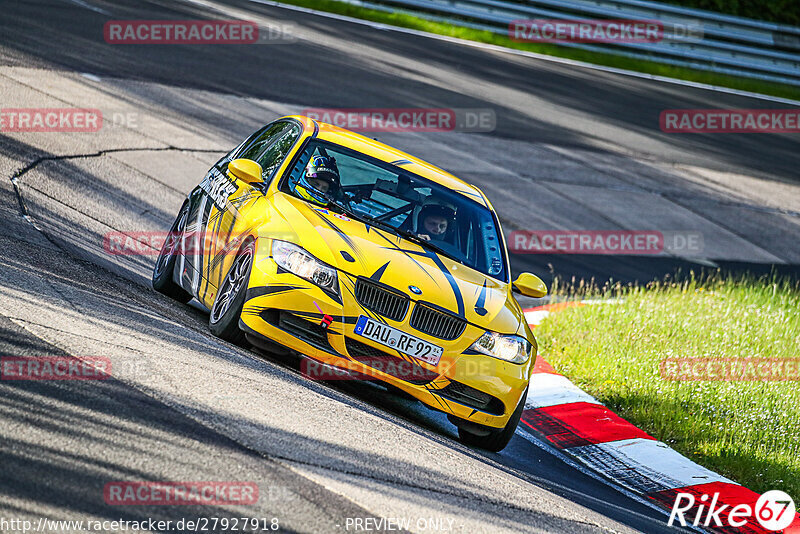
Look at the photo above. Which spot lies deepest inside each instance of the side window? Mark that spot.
(470, 242)
(257, 139)
(264, 139)
(274, 155)
(298, 169)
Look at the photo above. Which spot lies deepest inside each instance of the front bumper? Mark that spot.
(288, 310)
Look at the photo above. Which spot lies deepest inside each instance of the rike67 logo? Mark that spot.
(774, 511)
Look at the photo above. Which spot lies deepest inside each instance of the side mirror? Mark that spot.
(529, 285)
(245, 170)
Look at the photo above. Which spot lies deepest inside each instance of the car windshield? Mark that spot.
(402, 203)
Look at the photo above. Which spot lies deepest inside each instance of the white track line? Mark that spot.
(554, 59)
(547, 389)
(535, 317)
(89, 6)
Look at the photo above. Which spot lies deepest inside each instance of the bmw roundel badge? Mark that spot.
(415, 290)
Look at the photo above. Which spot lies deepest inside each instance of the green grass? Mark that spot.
(610, 60)
(747, 431)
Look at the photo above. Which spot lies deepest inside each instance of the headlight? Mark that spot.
(513, 349)
(297, 261)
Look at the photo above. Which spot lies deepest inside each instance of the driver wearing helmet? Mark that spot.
(320, 181)
(435, 221)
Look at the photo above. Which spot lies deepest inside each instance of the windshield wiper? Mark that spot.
(411, 236)
(361, 218)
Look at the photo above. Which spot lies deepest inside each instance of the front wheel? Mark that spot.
(496, 439)
(163, 281)
(227, 308)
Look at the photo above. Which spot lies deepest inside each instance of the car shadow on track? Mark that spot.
(79, 436)
(539, 464)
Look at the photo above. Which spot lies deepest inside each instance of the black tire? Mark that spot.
(227, 308)
(498, 438)
(165, 264)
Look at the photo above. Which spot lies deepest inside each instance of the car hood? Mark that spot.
(362, 250)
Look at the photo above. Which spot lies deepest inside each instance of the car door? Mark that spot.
(208, 202)
(229, 225)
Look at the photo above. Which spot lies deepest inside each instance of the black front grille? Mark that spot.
(437, 323)
(469, 396)
(389, 364)
(381, 299)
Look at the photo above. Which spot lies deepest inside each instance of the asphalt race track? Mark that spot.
(573, 148)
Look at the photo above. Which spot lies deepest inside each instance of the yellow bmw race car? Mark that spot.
(366, 260)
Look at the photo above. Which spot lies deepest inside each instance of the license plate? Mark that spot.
(397, 339)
